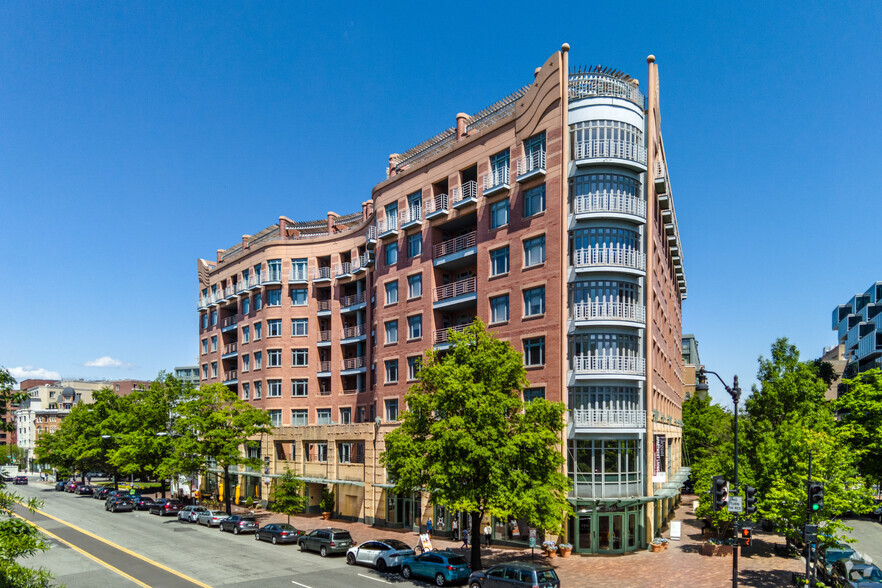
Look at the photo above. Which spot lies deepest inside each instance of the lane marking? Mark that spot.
(83, 552)
(299, 584)
(375, 579)
(124, 550)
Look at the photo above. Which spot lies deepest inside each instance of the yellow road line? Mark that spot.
(124, 550)
(86, 553)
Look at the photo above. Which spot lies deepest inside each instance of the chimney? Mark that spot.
(391, 171)
(332, 218)
(461, 120)
(367, 210)
(284, 221)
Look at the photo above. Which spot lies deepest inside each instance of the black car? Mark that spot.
(143, 502)
(165, 506)
(20, 481)
(84, 491)
(515, 575)
(278, 533)
(326, 541)
(239, 524)
(59, 486)
(119, 504)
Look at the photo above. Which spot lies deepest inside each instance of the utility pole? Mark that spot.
(808, 521)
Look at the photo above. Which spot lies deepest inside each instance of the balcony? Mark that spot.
(411, 217)
(229, 292)
(324, 369)
(324, 392)
(298, 275)
(661, 180)
(496, 181)
(353, 365)
(456, 252)
(228, 323)
(609, 204)
(437, 206)
(370, 238)
(273, 276)
(869, 346)
(531, 166)
(362, 263)
(254, 282)
(230, 350)
(321, 274)
(231, 377)
(465, 194)
(324, 307)
(624, 259)
(608, 312)
(343, 270)
(618, 365)
(387, 227)
(324, 339)
(352, 302)
(458, 294)
(853, 338)
(347, 391)
(598, 418)
(441, 337)
(351, 334)
(214, 298)
(604, 151)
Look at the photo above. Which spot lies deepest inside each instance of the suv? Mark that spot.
(165, 506)
(515, 574)
(326, 541)
(20, 481)
(118, 504)
(239, 524)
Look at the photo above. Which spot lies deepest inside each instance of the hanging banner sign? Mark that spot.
(659, 445)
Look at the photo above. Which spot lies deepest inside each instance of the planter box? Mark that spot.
(713, 549)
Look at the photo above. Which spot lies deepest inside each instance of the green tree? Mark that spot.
(13, 454)
(288, 496)
(860, 410)
(213, 423)
(469, 441)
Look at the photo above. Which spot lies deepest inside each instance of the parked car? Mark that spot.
(830, 555)
(190, 513)
(166, 506)
(876, 513)
(143, 503)
(211, 518)
(382, 554)
(119, 504)
(20, 481)
(515, 574)
(59, 486)
(72, 486)
(278, 533)
(239, 524)
(855, 574)
(326, 541)
(84, 490)
(442, 567)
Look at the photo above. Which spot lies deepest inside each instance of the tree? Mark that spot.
(860, 410)
(288, 495)
(469, 441)
(213, 423)
(13, 454)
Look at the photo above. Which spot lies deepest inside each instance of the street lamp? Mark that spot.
(735, 393)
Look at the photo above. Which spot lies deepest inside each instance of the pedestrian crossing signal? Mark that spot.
(745, 535)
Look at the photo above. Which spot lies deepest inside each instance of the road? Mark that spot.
(92, 547)
(866, 538)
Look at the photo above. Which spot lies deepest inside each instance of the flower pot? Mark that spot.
(656, 547)
(326, 516)
(565, 552)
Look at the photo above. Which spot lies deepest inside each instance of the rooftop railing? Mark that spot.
(596, 84)
(454, 245)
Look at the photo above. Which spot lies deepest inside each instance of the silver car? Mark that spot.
(382, 554)
(211, 518)
(190, 513)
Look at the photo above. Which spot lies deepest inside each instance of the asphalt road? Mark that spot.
(91, 547)
(867, 538)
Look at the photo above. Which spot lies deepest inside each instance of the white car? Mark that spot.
(191, 513)
(382, 554)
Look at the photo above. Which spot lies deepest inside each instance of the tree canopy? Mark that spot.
(860, 417)
(288, 496)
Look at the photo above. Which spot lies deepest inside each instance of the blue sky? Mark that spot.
(137, 137)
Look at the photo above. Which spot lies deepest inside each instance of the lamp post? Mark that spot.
(735, 393)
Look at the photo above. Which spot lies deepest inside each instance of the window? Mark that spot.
(246, 334)
(534, 201)
(274, 298)
(415, 327)
(214, 343)
(274, 358)
(257, 303)
(323, 416)
(534, 301)
(213, 318)
(391, 409)
(299, 270)
(258, 360)
(345, 416)
(274, 389)
(298, 296)
(413, 367)
(391, 332)
(204, 321)
(534, 351)
(214, 369)
(414, 245)
(499, 168)
(415, 286)
(246, 363)
(534, 251)
(499, 309)
(534, 151)
(391, 371)
(274, 328)
(258, 330)
(299, 417)
(299, 387)
(392, 292)
(246, 305)
(499, 214)
(392, 216)
(299, 327)
(275, 418)
(499, 261)
(318, 452)
(246, 391)
(204, 346)
(391, 252)
(299, 357)
(345, 451)
(360, 418)
(205, 371)
(258, 389)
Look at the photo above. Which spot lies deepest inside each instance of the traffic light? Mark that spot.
(720, 492)
(745, 535)
(750, 500)
(816, 496)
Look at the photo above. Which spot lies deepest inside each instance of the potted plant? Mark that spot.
(550, 548)
(565, 549)
(327, 503)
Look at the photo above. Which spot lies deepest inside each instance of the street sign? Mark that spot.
(735, 504)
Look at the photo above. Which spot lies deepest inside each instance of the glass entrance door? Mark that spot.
(610, 527)
(584, 544)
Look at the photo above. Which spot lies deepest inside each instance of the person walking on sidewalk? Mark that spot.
(465, 538)
(487, 533)
(429, 526)
(455, 527)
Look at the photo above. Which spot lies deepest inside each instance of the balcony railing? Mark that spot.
(230, 321)
(609, 310)
(455, 289)
(356, 331)
(324, 366)
(454, 245)
(853, 338)
(324, 305)
(321, 273)
(603, 418)
(497, 178)
(411, 214)
(592, 84)
(298, 275)
(274, 275)
(229, 291)
(353, 363)
(353, 390)
(254, 281)
(533, 162)
(443, 335)
(602, 202)
(610, 256)
(352, 300)
(611, 363)
(231, 348)
(387, 225)
(324, 392)
(324, 336)
(437, 205)
(610, 149)
(231, 375)
(371, 235)
(468, 192)
(342, 269)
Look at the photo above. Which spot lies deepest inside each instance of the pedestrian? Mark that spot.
(455, 527)
(429, 526)
(487, 533)
(465, 538)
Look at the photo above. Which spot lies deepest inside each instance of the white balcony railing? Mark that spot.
(254, 281)
(468, 191)
(601, 202)
(610, 256)
(353, 363)
(371, 233)
(535, 161)
(610, 149)
(454, 245)
(437, 204)
(455, 289)
(343, 269)
(321, 273)
(603, 418)
(229, 291)
(411, 214)
(324, 366)
(611, 363)
(385, 225)
(350, 332)
(609, 310)
(274, 275)
(443, 335)
(497, 177)
(352, 299)
(300, 274)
